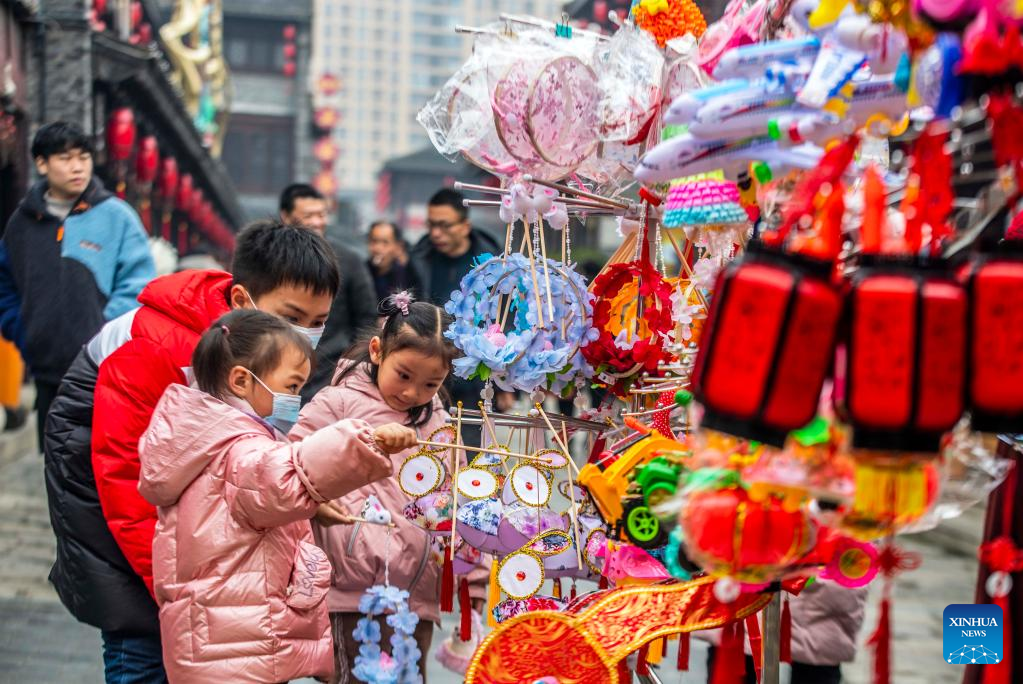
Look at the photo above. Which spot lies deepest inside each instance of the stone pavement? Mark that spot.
(40, 643)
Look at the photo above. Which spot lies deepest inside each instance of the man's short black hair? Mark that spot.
(446, 197)
(297, 191)
(57, 137)
(269, 254)
(398, 233)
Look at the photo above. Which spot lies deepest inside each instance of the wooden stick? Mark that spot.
(568, 190)
(575, 513)
(536, 283)
(546, 272)
(557, 438)
(454, 479)
(493, 432)
(689, 270)
(484, 450)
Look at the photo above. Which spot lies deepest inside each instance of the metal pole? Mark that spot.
(772, 640)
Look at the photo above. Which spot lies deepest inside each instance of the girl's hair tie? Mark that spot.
(227, 331)
(402, 300)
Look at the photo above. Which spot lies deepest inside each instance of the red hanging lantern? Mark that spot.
(99, 6)
(121, 134)
(136, 13)
(184, 198)
(326, 118)
(147, 160)
(325, 182)
(325, 150)
(289, 68)
(995, 386)
(906, 355)
(290, 51)
(145, 34)
(600, 11)
(289, 32)
(195, 206)
(768, 345)
(168, 184)
(728, 534)
(328, 84)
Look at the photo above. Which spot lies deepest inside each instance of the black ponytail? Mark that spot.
(407, 324)
(243, 337)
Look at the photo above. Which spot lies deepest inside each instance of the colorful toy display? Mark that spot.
(806, 340)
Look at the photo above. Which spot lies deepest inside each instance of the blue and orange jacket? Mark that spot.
(61, 281)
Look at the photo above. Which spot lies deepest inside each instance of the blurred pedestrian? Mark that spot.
(73, 257)
(444, 256)
(389, 262)
(355, 305)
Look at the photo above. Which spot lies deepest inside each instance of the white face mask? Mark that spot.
(311, 334)
(286, 407)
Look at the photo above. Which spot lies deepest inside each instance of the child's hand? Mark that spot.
(393, 438)
(332, 513)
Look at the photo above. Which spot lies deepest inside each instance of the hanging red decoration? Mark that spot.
(906, 355)
(328, 84)
(135, 11)
(184, 196)
(289, 32)
(326, 118)
(326, 151)
(145, 34)
(768, 345)
(325, 182)
(289, 69)
(168, 184)
(995, 386)
(121, 134)
(195, 206)
(147, 160)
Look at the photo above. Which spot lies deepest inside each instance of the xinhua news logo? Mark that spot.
(972, 634)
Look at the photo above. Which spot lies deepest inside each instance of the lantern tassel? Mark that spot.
(881, 641)
(493, 595)
(682, 664)
(1001, 673)
(730, 665)
(556, 588)
(465, 608)
(447, 585)
(641, 665)
(572, 593)
(755, 643)
(786, 633)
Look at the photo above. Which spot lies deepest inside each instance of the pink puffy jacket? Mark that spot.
(239, 581)
(357, 551)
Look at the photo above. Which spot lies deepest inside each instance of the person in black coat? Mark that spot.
(355, 305)
(389, 264)
(444, 256)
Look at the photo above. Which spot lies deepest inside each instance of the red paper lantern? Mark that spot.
(147, 160)
(289, 32)
(906, 355)
(768, 344)
(99, 6)
(289, 69)
(145, 34)
(326, 151)
(195, 206)
(326, 117)
(184, 198)
(121, 134)
(290, 50)
(600, 11)
(168, 178)
(995, 386)
(136, 13)
(328, 84)
(325, 182)
(728, 534)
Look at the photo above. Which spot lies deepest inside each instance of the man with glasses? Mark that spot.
(444, 256)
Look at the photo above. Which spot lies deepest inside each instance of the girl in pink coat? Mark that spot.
(238, 579)
(395, 377)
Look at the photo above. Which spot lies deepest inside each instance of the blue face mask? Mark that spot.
(311, 334)
(285, 407)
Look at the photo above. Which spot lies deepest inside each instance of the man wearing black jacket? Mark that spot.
(445, 256)
(355, 305)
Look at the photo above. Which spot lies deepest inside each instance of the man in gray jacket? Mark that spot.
(355, 305)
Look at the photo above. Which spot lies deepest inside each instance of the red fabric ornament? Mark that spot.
(729, 534)
(447, 585)
(121, 134)
(465, 608)
(682, 663)
(147, 160)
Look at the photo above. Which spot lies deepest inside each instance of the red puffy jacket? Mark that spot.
(151, 350)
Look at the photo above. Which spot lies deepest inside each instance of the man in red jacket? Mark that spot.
(104, 528)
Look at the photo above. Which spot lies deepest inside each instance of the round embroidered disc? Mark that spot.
(530, 485)
(420, 474)
(520, 575)
(476, 483)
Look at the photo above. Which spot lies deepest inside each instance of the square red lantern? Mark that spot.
(995, 356)
(768, 344)
(906, 354)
